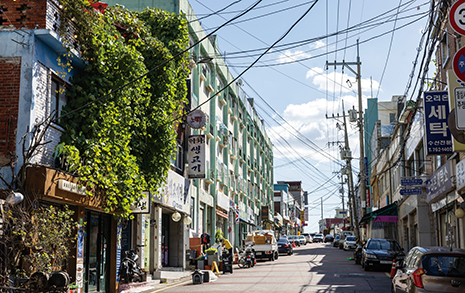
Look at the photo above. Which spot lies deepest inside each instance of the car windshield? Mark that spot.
(282, 240)
(337, 237)
(444, 265)
(319, 235)
(350, 238)
(301, 237)
(381, 244)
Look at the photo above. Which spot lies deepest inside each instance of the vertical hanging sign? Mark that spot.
(438, 137)
(196, 156)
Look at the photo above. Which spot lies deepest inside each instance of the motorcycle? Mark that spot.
(358, 254)
(246, 257)
(130, 270)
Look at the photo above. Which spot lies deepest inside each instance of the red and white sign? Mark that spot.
(457, 17)
(458, 64)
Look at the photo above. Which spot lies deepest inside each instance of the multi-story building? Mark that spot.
(235, 196)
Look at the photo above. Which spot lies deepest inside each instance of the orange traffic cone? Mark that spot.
(293, 243)
(393, 268)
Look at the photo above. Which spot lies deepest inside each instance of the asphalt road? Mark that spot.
(313, 268)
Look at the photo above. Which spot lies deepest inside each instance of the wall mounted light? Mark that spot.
(459, 213)
(187, 220)
(14, 198)
(176, 216)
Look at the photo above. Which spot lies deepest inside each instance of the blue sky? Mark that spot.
(292, 88)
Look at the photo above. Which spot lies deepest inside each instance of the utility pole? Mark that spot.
(360, 123)
(347, 156)
(351, 180)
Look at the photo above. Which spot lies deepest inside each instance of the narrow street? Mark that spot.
(312, 268)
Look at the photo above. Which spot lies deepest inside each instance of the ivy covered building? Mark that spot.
(236, 194)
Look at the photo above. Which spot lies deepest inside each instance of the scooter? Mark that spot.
(246, 258)
(130, 270)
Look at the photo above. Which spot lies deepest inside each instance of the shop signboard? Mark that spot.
(440, 182)
(438, 137)
(175, 193)
(451, 197)
(143, 206)
(196, 156)
(250, 215)
(453, 82)
(460, 171)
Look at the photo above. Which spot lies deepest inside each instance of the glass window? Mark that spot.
(420, 157)
(392, 118)
(445, 50)
(444, 265)
(57, 97)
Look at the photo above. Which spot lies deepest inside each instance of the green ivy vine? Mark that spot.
(121, 145)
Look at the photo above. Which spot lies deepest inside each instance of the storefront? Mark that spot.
(441, 196)
(222, 211)
(94, 263)
(413, 231)
(170, 218)
(381, 223)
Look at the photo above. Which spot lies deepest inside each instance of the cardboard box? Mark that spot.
(268, 238)
(260, 239)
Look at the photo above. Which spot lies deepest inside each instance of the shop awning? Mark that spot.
(390, 210)
(221, 214)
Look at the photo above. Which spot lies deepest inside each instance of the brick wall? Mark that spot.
(10, 76)
(25, 13)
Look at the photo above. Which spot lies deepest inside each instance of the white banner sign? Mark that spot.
(196, 156)
(175, 193)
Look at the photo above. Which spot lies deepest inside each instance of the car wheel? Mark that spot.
(276, 256)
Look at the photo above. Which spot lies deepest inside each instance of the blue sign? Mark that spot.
(342, 212)
(411, 182)
(439, 183)
(438, 138)
(410, 191)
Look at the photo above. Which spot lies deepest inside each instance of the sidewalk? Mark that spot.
(173, 279)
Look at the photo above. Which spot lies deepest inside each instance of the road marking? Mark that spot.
(169, 287)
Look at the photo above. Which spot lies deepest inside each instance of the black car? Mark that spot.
(379, 253)
(284, 246)
(329, 238)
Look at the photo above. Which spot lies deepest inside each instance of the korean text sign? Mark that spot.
(438, 137)
(196, 156)
(440, 182)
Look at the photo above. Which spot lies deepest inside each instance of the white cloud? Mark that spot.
(289, 56)
(317, 45)
(337, 81)
(314, 71)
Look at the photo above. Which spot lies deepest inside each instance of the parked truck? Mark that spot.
(265, 244)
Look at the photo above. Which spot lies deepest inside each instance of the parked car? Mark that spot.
(294, 239)
(307, 237)
(428, 269)
(302, 240)
(336, 241)
(343, 236)
(350, 243)
(329, 238)
(284, 246)
(379, 253)
(318, 238)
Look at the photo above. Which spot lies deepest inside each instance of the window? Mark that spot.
(58, 98)
(177, 160)
(392, 118)
(410, 168)
(420, 157)
(445, 48)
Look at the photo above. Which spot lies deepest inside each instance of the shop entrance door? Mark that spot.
(97, 252)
